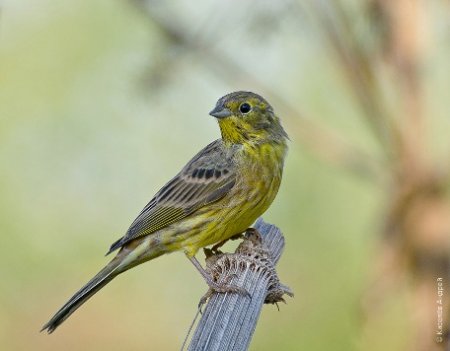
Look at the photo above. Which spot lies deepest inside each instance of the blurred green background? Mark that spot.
(98, 111)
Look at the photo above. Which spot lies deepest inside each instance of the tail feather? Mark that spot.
(128, 257)
(95, 284)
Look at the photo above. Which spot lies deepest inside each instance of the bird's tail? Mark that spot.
(81, 296)
(128, 257)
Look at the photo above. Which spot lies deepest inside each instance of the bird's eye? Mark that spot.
(245, 108)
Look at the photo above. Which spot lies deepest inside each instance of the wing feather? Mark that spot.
(208, 177)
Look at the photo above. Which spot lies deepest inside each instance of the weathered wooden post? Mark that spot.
(229, 319)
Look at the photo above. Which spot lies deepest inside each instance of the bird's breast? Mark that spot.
(258, 177)
(258, 180)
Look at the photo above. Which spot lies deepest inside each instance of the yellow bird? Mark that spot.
(217, 195)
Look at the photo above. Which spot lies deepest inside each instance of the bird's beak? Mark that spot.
(220, 112)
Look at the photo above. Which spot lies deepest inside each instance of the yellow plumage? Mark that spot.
(217, 195)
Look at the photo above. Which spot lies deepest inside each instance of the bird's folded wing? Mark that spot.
(208, 177)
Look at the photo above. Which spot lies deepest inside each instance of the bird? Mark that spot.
(217, 195)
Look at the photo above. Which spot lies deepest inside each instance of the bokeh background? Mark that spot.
(103, 101)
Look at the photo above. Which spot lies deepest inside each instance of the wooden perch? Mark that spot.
(229, 319)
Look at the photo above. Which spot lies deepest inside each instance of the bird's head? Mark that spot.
(247, 117)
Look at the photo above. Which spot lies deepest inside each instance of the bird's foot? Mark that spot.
(217, 283)
(222, 286)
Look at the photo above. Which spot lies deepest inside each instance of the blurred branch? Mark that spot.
(404, 44)
(319, 138)
(335, 23)
(415, 240)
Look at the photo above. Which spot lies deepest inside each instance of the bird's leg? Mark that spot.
(202, 271)
(214, 286)
(215, 248)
